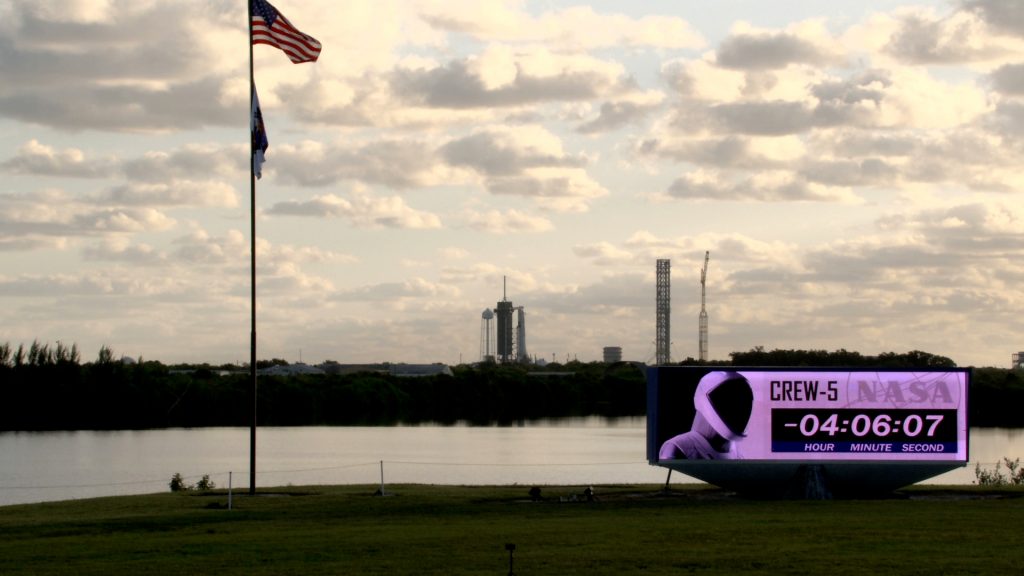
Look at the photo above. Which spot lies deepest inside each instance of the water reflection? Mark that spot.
(46, 466)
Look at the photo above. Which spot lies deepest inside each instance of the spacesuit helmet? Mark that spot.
(725, 400)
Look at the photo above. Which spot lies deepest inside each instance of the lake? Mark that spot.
(46, 466)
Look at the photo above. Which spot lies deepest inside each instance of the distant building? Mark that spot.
(1018, 360)
(612, 354)
(420, 370)
(402, 370)
(290, 370)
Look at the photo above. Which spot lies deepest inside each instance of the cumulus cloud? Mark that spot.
(500, 151)
(540, 76)
(619, 113)
(199, 247)
(55, 213)
(362, 209)
(394, 292)
(175, 193)
(141, 66)
(42, 160)
(121, 108)
(604, 254)
(390, 162)
(155, 179)
(560, 190)
(526, 161)
(507, 222)
(122, 250)
(576, 27)
(764, 187)
(1009, 79)
(733, 152)
(923, 38)
(1003, 15)
(770, 50)
(193, 161)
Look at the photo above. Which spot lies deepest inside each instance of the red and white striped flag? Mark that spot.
(271, 27)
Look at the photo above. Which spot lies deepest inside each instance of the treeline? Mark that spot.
(914, 359)
(49, 388)
(108, 394)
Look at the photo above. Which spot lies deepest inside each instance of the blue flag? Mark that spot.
(259, 136)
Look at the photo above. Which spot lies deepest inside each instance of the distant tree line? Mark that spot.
(48, 391)
(49, 388)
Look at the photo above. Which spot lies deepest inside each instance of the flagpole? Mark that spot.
(252, 254)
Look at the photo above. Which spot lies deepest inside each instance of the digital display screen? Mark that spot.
(706, 413)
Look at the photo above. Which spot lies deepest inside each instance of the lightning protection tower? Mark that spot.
(663, 313)
(703, 334)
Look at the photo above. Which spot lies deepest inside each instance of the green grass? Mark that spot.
(463, 530)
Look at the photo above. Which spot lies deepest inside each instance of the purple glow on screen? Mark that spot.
(758, 414)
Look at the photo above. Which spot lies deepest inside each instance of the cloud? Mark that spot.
(619, 113)
(181, 106)
(41, 160)
(393, 163)
(604, 254)
(395, 292)
(362, 210)
(175, 193)
(499, 151)
(573, 28)
(121, 250)
(30, 243)
(539, 76)
(507, 222)
(1009, 79)
(1005, 16)
(965, 231)
(135, 42)
(643, 247)
(139, 67)
(732, 152)
(55, 213)
(559, 190)
(526, 161)
(193, 161)
(763, 187)
(805, 43)
(921, 38)
(200, 248)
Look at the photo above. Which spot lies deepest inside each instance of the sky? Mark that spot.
(851, 166)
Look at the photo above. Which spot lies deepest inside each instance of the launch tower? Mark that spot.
(663, 313)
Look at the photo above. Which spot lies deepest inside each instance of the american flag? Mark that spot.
(259, 136)
(271, 27)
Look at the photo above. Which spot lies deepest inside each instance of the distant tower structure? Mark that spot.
(703, 344)
(511, 341)
(612, 354)
(521, 335)
(486, 350)
(1018, 360)
(663, 313)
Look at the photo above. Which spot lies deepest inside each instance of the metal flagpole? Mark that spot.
(252, 253)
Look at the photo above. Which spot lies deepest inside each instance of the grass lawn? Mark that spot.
(463, 530)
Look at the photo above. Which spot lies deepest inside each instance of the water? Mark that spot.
(46, 466)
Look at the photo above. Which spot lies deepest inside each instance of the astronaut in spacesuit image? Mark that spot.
(723, 401)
